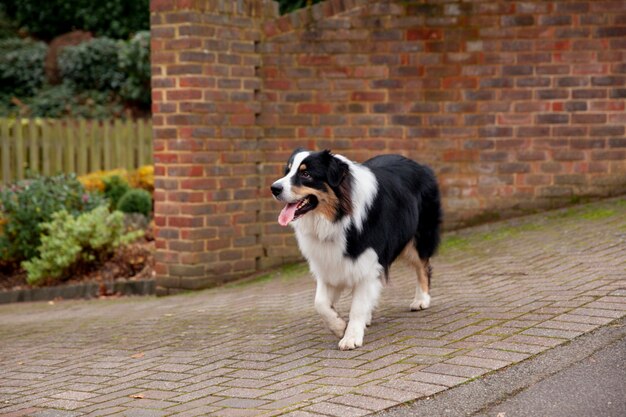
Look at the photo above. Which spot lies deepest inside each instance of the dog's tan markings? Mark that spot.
(302, 167)
(327, 200)
(345, 203)
(423, 270)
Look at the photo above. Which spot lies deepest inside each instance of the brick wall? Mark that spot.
(207, 162)
(517, 105)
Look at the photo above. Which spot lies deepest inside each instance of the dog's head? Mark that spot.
(316, 183)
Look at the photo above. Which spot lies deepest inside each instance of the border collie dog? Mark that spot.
(352, 221)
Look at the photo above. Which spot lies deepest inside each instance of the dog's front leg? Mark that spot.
(325, 298)
(364, 298)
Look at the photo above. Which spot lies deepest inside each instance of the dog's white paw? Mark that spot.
(421, 303)
(338, 327)
(351, 340)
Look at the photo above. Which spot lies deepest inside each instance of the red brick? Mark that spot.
(518, 92)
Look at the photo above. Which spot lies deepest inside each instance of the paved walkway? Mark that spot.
(501, 293)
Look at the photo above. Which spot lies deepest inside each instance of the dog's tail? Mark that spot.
(430, 217)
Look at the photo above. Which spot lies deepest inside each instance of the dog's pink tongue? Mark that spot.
(287, 214)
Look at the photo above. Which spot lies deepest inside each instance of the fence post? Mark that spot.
(6, 150)
(33, 147)
(19, 149)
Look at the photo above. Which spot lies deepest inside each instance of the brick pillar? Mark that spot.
(205, 84)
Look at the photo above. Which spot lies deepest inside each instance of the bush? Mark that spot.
(28, 204)
(92, 65)
(69, 242)
(134, 62)
(114, 188)
(288, 6)
(8, 28)
(21, 67)
(142, 177)
(136, 201)
(47, 19)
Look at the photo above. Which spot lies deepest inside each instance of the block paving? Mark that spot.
(501, 294)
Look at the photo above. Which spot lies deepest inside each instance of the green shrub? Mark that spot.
(134, 62)
(47, 19)
(63, 100)
(21, 67)
(8, 28)
(288, 6)
(114, 188)
(28, 204)
(92, 65)
(70, 241)
(136, 201)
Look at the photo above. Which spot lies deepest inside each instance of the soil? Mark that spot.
(134, 262)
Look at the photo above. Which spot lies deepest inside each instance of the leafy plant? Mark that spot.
(50, 18)
(136, 201)
(134, 62)
(70, 241)
(92, 65)
(114, 188)
(28, 204)
(21, 66)
(64, 101)
(288, 6)
(142, 177)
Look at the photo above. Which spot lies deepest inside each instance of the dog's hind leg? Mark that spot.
(326, 297)
(423, 270)
(422, 297)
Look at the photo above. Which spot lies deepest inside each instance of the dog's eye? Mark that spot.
(305, 175)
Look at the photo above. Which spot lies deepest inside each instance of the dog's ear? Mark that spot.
(337, 169)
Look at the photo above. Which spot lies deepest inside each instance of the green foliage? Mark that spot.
(114, 188)
(64, 101)
(8, 28)
(92, 65)
(47, 19)
(136, 201)
(21, 66)
(134, 62)
(288, 6)
(76, 241)
(28, 204)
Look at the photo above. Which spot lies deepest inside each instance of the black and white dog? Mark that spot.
(352, 221)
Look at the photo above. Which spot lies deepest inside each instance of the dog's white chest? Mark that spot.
(325, 250)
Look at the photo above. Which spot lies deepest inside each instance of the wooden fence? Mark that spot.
(52, 146)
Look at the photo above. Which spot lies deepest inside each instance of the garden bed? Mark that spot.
(129, 272)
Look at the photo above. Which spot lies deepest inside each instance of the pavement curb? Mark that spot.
(77, 291)
(475, 397)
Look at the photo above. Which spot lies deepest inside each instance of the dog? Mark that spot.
(352, 221)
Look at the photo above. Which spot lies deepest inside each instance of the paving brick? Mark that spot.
(435, 378)
(337, 410)
(359, 401)
(237, 362)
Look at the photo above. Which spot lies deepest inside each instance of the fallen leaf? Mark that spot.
(137, 355)
(137, 396)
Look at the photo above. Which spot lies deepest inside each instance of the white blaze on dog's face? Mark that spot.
(313, 182)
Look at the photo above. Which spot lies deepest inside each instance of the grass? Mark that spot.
(285, 273)
(456, 242)
(589, 212)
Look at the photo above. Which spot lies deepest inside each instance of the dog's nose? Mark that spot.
(276, 189)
